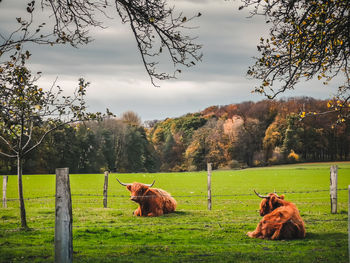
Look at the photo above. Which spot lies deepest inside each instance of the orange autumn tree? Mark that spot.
(209, 144)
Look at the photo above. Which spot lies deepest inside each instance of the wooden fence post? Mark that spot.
(333, 188)
(4, 189)
(209, 185)
(64, 219)
(105, 189)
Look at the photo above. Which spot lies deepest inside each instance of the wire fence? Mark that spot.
(183, 200)
(246, 219)
(84, 198)
(179, 196)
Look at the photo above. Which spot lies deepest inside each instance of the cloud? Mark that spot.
(119, 81)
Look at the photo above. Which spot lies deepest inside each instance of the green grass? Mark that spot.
(192, 234)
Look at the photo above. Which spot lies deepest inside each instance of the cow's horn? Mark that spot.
(150, 185)
(261, 196)
(122, 183)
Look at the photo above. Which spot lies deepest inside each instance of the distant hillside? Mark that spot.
(250, 134)
(231, 136)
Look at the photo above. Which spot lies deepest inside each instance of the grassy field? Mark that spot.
(192, 234)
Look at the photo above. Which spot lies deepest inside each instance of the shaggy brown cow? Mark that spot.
(281, 219)
(152, 201)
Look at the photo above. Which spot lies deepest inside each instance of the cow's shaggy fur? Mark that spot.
(152, 201)
(281, 220)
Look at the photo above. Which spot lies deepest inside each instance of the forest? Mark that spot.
(233, 136)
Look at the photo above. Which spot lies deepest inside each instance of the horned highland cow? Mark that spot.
(281, 219)
(152, 201)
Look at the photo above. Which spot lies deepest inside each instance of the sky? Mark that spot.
(119, 82)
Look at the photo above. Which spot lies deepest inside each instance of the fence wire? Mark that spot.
(249, 220)
(220, 224)
(177, 196)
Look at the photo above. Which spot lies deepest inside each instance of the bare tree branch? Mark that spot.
(154, 25)
(308, 39)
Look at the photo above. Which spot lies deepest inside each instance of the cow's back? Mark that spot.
(168, 203)
(291, 224)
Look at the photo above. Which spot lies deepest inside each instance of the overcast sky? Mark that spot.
(120, 83)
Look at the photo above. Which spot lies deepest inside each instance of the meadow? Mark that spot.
(192, 233)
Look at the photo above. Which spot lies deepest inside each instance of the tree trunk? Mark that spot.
(20, 194)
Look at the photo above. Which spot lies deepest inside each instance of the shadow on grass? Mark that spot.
(181, 213)
(326, 236)
(176, 214)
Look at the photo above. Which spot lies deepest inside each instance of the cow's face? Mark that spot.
(270, 203)
(137, 191)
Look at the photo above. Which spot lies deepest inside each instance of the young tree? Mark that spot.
(156, 28)
(24, 107)
(307, 39)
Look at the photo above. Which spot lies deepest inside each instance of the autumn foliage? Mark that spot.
(307, 40)
(233, 136)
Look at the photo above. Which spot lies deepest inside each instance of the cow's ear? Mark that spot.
(128, 187)
(282, 197)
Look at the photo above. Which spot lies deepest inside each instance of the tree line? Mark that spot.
(240, 135)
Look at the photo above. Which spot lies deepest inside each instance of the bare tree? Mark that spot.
(131, 118)
(28, 114)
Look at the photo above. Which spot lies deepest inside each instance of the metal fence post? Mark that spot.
(64, 219)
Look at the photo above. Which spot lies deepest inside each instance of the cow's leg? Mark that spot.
(157, 212)
(256, 233)
(277, 234)
(137, 212)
